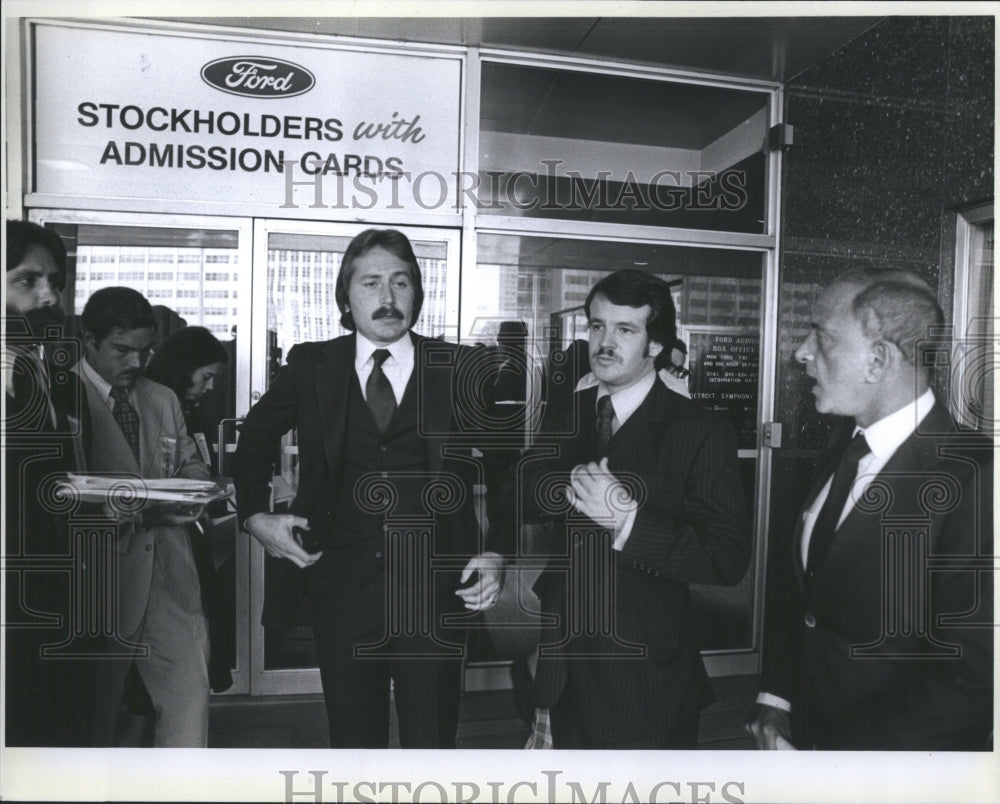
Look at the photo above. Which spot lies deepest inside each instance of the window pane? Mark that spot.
(543, 282)
(586, 146)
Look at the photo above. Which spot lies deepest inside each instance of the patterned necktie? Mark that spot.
(840, 488)
(378, 392)
(605, 413)
(127, 419)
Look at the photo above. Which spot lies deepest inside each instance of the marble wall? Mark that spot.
(893, 133)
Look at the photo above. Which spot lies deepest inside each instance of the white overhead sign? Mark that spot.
(122, 114)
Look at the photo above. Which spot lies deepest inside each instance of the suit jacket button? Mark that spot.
(810, 621)
(149, 547)
(378, 554)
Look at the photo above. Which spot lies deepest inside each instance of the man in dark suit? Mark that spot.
(48, 685)
(879, 624)
(655, 503)
(381, 520)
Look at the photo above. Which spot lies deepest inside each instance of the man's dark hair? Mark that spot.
(114, 308)
(179, 356)
(22, 235)
(397, 244)
(632, 288)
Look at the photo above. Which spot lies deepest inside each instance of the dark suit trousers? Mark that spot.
(570, 733)
(348, 604)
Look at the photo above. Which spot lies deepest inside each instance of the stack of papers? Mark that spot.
(103, 488)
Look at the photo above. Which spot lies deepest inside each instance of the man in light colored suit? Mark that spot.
(138, 430)
(879, 621)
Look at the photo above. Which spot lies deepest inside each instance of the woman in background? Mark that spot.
(188, 362)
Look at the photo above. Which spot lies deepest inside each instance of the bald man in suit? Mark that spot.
(879, 629)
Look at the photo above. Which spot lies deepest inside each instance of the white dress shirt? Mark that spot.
(884, 437)
(625, 402)
(103, 386)
(397, 367)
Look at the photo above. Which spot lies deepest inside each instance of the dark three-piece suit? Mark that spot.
(396, 524)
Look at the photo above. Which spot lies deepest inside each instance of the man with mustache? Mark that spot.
(382, 523)
(48, 693)
(138, 431)
(879, 629)
(655, 502)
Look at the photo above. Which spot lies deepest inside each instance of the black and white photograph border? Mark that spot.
(737, 777)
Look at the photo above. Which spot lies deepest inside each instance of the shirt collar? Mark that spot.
(401, 350)
(102, 385)
(627, 400)
(885, 436)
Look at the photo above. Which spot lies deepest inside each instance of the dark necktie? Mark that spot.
(378, 392)
(605, 413)
(840, 488)
(127, 419)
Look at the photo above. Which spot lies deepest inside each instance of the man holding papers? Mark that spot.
(138, 429)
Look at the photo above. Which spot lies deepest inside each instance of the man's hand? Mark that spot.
(485, 591)
(274, 531)
(771, 728)
(598, 494)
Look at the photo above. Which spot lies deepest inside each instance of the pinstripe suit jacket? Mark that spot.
(691, 526)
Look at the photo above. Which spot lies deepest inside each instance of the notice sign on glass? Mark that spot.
(725, 366)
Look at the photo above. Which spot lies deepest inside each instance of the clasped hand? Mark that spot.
(596, 493)
(485, 591)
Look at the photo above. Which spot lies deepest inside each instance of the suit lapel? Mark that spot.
(633, 437)
(917, 454)
(334, 373)
(110, 451)
(914, 457)
(155, 455)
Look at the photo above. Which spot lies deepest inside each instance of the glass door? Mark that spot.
(195, 271)
(721, 314)
(296, 266)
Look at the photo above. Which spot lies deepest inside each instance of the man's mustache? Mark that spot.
(604, 352)
(387, 311)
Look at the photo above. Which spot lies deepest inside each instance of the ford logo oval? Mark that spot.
(257, 77)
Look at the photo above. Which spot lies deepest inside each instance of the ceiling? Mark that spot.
(769, 48)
